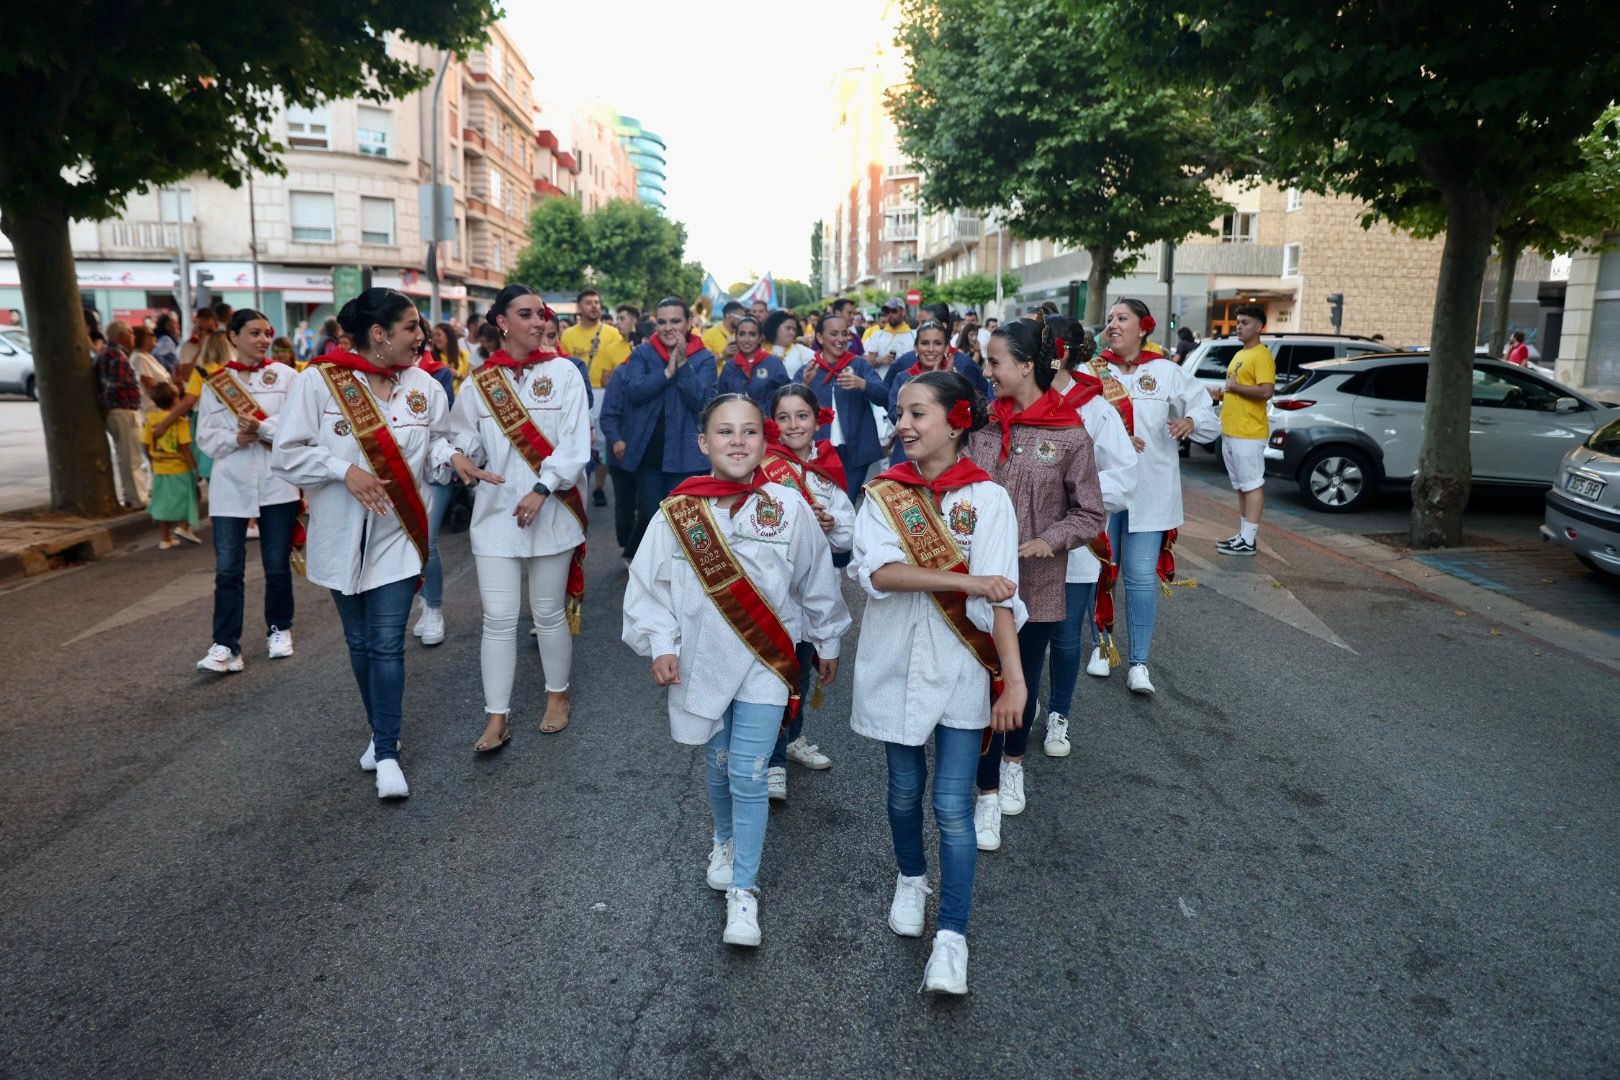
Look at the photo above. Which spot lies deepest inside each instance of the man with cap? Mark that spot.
(889, 339)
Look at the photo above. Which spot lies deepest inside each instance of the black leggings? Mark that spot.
(1032, 642)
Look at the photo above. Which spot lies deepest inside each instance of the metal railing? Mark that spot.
(161, 237)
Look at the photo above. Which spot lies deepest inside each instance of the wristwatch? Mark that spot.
(540, 488)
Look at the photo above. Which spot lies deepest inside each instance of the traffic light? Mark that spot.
(203, 296)
(1336, 310)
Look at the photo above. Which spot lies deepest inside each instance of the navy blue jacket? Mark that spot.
(769, 376)
(584, 373)
(613, 418)
(900, 374)
(647, 393)
(855, 420)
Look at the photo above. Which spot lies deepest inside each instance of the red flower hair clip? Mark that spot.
(1149, 324)
(824, 416)
(773, 431)
(961, 415)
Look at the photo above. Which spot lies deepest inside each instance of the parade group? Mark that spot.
(985, 500)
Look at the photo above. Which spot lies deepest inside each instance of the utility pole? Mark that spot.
(1000, 297)
(435, 314)
(1167, 274)
(253, 242)
(184, 263)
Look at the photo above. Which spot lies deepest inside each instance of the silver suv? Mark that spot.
(1345, 428)
(1209, 359)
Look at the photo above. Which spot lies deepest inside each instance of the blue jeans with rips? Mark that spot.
(735, 761)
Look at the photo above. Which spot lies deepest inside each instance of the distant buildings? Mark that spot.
(647, 152)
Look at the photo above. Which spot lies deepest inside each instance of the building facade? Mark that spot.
(1589, 331)
(605, 170)
(648, 154)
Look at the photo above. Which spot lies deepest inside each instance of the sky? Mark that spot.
(741, 93)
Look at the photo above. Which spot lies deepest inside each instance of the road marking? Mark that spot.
(1199, 529)
(1265, 595)
(183, 590)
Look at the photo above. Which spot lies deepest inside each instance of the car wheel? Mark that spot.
(1336, 479)
(28, 388)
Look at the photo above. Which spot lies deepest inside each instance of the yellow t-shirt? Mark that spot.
(1241, 417)
(194, 385)
(611, 349)
(715, 339)
(166, 457)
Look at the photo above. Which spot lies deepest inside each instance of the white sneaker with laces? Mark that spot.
(221, 659)
(1138, 681)
(807, 754)
(416, 631)
(184, 532)
(279, 644)
(1057, 735)
(430, 627)
(368, 760)
(1098, 665)
(391, 780)
(776, 783)
(742, 918)
(1011, 791)
(946, 972)
(720, 856)
(987, 821)
(906, 910)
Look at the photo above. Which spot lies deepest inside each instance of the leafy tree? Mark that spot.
(1005, 110)
(107, 99)
(559, 248)
(1423, 110)
(816, 267)
(978, 289)
(794, 294)
(636, 254)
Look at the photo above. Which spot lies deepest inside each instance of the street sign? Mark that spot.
(346, 284)
(914, 297)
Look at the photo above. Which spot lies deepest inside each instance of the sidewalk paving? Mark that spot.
(38, 541)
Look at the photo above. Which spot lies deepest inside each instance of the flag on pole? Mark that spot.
(713, 295)
(763, 289)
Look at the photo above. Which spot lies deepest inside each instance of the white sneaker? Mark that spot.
(807, 754)
(1098, 665)
(987, 821)
(1011, 791)
(906, 911)
(279, 643)
(390, 780)
(1057, 735)
(252, 532)
(430, 627)
(220, 659)
(1137, 680)
(368, 760)
(720, 856)
(165, 545)
(416, 631)
(742, 918)
(184, 532)
(776, 783)
(946, 972)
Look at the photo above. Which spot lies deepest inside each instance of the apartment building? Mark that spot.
(498, 144)
(1589, 328)
(605, 169)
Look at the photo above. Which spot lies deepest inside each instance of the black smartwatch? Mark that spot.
(541, 489)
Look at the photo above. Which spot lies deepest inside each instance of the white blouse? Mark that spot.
(666, 610)
(794, 357)
(554, 395)
(835, 501)
(242, 480)
(1116, 473)
(912, 672)
(349, 548)
(1160, 390)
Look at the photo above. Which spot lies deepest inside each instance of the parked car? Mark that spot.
(16, 362)
(1345, 428)
(1583, 507)
(1208, 361)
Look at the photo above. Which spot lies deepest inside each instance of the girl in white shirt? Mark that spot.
(527, 518)
(727, 652)
(237, 415)
(364, 434)
(915, 675)
(1167, 405)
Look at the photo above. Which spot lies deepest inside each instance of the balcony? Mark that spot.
(899, 231)
(898, 203)
(147, 237)
(895, 172)
(900, 262)
(950, 231)
(473, 140)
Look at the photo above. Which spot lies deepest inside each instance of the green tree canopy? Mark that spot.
(978, 289)
(629, 251)
(558, 252)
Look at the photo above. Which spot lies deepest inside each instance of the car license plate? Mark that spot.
(1584, 486)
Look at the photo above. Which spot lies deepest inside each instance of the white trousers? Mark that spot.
(500, 583)
(124, 428)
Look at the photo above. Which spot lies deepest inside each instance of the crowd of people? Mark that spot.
(984, 486)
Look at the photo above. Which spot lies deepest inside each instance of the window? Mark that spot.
(376, 129)
(1238, 228)
(314, 216)
(494, 187)
(497, 61)
(175, 205)
(1291, 358)
(376, 221)
(310, 128)
(497, 260)
(1215, 361)
(1400, 382)
(1497, 389)
(1296, 198)
(1290, 260)
(1032, 252)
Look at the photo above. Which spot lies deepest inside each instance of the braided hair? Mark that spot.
(1032, 341)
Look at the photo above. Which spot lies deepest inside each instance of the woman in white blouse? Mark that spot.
(781, 329)
(367, 493)
(1167, 405)
(521, 521)
(915, 679)
(722, 694)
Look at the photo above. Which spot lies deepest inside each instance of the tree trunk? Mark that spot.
(1444, 477)
(1102, 269)
(1509, 256)
(76, 450)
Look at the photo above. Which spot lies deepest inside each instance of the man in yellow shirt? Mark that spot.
(718, 338)
(1251, 379)
(602, 349)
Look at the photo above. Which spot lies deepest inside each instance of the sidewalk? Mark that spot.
(38, 541)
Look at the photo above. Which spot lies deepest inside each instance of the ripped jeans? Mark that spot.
(735, 761)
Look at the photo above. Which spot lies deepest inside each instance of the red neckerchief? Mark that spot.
(356, 362)
(236, 365)
(826, 463)
(746, 364)
(1046, 411)
(945, 365)
(502, 358)
(430, 364)
(963, 473)
(836, 366)
(1086, 386)
(713, 487)
(1147, 354)
(694, 345)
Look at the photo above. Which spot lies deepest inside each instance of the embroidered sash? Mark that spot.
(370, 429)
(739, 602)
(1114, 393)
(778, 470)
(235, 395)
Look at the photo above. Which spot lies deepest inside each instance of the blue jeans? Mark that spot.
(956, 756)
(735, 761)
(230, 564)
(440, 496)
(1069, 643)
(1032, 642)
(807, 678)
(1138, 558)
(374, 628)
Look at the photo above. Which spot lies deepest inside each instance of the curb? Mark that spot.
(79, 545)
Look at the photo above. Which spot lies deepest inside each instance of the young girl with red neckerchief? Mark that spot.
(852, 386)
(934, 353)
(752, 369)
(792, 456)
(936, 549)
(731, 573)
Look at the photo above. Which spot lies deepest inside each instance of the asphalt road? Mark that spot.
(1357, 834)
(23, 479)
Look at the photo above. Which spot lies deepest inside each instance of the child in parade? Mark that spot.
(174, 483)
(732, 572)
(752, 370)
(429, 628)
(840, 376)
(935, 548)
(933, 354)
